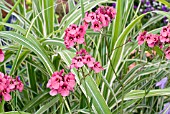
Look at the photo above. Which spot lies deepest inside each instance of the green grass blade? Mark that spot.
(33, 45)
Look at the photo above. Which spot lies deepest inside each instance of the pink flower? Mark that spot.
(55, 82)
(60, 73)
(164, 39)
(132, 66)
(154, 40)
(97, 67)
(100, 18)
(82, 52)
(1, 75)
(79, 61)
(12, 84)
(61, 84)
(70, 80)
(73, 64)
(53, 92)
(83, 58)
(82, 29)
(49, 84)
(19, 84)
(149, 38)
(96, 26)
(72, 29)
(7, 85)
(160, 45)
(104, 19)
(165, 34)
(111, 12)
(89, 60)
(101, 10)
(141, 37)
(73, 35)
(64, 89)
(1, 56)
(164, 31)
(85, 25)
(90, 17)
(2, 82)
(69, 40)
(167, 53)
(6, 95)
(80, 38)
(87, 19)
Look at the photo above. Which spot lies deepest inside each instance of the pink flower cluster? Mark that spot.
(60, 83)
(74, 34)
(165, 34)
(83, 58)
(101, 17)
(7, 85)
(151, 39)
(157, 40)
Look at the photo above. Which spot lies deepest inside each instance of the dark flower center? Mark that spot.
(71, 38)
(68, 79)
(74, 28)
(88, 59)
(79, 59)
(96, 25)
(64, 86)
(164, 30)
(57, 80)
(92, 17)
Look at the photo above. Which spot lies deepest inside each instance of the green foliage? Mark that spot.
(35, 49)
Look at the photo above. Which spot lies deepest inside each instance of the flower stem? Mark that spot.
(2, 106)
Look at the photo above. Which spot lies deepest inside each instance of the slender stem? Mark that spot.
(88, 103)
(2, 106)
(109, 57)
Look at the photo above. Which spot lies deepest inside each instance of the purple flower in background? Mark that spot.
(148, 3)
(162, 83)
(152, 8)
(165, 20)
(142, 1)
(135, 7)
(166, 109)
(114, 5)
(164, 8)
(148, 9)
